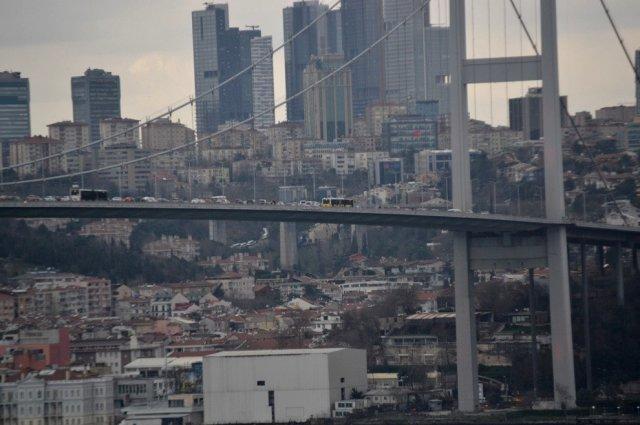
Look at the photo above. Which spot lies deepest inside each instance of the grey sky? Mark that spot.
(148, 43)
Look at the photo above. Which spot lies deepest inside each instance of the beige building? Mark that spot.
(111, 231)
(117, 130)
(7, 307)
(73, 135)
(34, 148)
(163, 134)
(379, 113)
(173, 246)
(132, 178)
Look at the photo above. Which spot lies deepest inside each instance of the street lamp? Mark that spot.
(593, 410)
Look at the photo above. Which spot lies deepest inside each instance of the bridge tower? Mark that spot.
(510, 69)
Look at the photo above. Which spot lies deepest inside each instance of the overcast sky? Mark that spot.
(148, 43)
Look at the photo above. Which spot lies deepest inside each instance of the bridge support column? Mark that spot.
(586, 319)
(564, 382)
(619, 274)
(218, 231)
(359, 234)
(466, 340)
(288, 246)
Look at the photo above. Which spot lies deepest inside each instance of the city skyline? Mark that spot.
(159, 60)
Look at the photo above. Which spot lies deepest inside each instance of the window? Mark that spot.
(260, 383)
(341, 379)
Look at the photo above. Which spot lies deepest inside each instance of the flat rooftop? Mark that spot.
(262, 353)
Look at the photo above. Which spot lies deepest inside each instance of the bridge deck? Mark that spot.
(453, 221)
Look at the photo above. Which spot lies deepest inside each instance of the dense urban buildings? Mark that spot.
(322, 38)
(72, 135)
(525, 114)
(164, 134)
(95, 96)
(33, 148)
(15, 117)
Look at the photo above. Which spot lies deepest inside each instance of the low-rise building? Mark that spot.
(173, 246)
(280, 385)
(111, 231)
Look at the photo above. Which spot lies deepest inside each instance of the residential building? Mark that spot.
(404, 59)
(57, 397)
(235, 286)
(362, 25)
(262, 82)
(618, 113)
(525, 114)
(406, 133)
(163, 134)
(73, 135)
(7, 307)
(37, 349)
(436, 162)
(119, 133)
(280, 385)
(130, 179)
(95, 96)
(173, 246)
(412, 350)
(109, 230)
(328, 112)
(207, 175)
(209, 27)
(34, 148)
(322, 38)
(15, 116)
(632, 136)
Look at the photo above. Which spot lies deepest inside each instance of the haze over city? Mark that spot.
(325, 212)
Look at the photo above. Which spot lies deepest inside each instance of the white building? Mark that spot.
(262, 82)
(43, 399)
(280, 385)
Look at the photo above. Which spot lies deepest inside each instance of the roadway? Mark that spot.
(477, 224)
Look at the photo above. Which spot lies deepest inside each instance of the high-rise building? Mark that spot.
(404, 65)
(72, 135)
(525, 114)
(34, 148)
(115, 129)
(637, 77)
(163, 134)
(95, 96)
(209, 27)
(15, 119)
(262, 82)
(328, 111)
(435, 91)
(406, 133)
(362, 25)
(325, 37)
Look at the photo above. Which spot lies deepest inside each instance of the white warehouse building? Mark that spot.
(280, 385)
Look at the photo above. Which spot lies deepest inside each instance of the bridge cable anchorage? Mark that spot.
(167, 112)
(574, 127)
(636, 72)
(375, 44)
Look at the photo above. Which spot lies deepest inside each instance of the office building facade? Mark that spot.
(525, 114)
(325, 37)
(262, 82)
(362, 25)
(406, 133)
(328, 107)
(209, 27)
(95, 96)
(15, 117)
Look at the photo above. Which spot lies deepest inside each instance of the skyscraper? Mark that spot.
(328, 111)
(209, 27)
(404, 52)
(95, 96)
(637, 82)
(362, 25)
(325, 37)
(262, 82)
(15, 118)
(436, 70)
